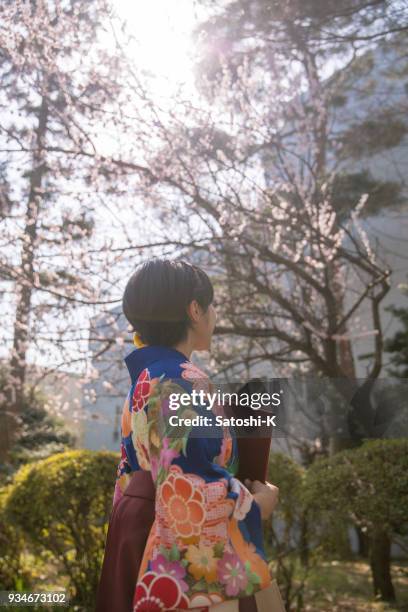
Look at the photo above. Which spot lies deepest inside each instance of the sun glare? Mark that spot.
(163, 42)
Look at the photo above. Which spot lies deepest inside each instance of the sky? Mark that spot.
(163, 38)
(162, 46)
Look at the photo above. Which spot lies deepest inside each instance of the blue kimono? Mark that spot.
(205, 545)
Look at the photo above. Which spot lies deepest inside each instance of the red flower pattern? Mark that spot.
(142, 391)
(157, 592)
(189, 509)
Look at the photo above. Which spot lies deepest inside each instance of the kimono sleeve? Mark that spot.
(128, 461)
(200, 453)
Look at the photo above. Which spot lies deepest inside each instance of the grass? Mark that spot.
(45, 576)
(338, 586)
(332, 586)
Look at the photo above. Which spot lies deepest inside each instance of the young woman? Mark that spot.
(204, 549)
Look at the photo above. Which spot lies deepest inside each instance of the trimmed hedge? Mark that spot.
(62, 505)
(367, 485)
(12, 571)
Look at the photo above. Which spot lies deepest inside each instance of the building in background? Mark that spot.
(105, 395)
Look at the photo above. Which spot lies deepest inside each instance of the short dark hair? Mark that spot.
(157, 295)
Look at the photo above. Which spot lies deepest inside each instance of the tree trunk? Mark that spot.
(304, 541)
(344, 351)
(380, 562)
(16, 379)
(363, 543)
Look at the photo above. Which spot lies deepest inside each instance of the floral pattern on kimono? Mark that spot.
(205, 545)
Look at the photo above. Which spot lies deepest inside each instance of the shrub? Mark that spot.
(367, 486)
(40, 434)
(62, 505)
(12, 571)
(287, 533)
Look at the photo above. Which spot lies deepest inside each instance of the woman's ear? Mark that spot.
(194, 311)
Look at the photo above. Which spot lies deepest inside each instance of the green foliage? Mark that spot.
(398, 344)
(292, 536)
(40, 434)
(287, 533)
(372, 136)
(346, 586)
(62, 505)
(347, 189)
(12, 568)
(286, 474)
(367, 486)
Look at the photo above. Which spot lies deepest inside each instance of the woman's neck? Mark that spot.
(185, 347)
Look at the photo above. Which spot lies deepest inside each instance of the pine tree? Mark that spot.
(58, 83)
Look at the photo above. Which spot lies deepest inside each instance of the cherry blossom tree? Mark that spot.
(252, 176)
(272, 247)
(58, 95)
(316, 54)
(243, 178)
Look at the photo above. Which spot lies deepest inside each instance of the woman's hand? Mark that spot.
(266, 496)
